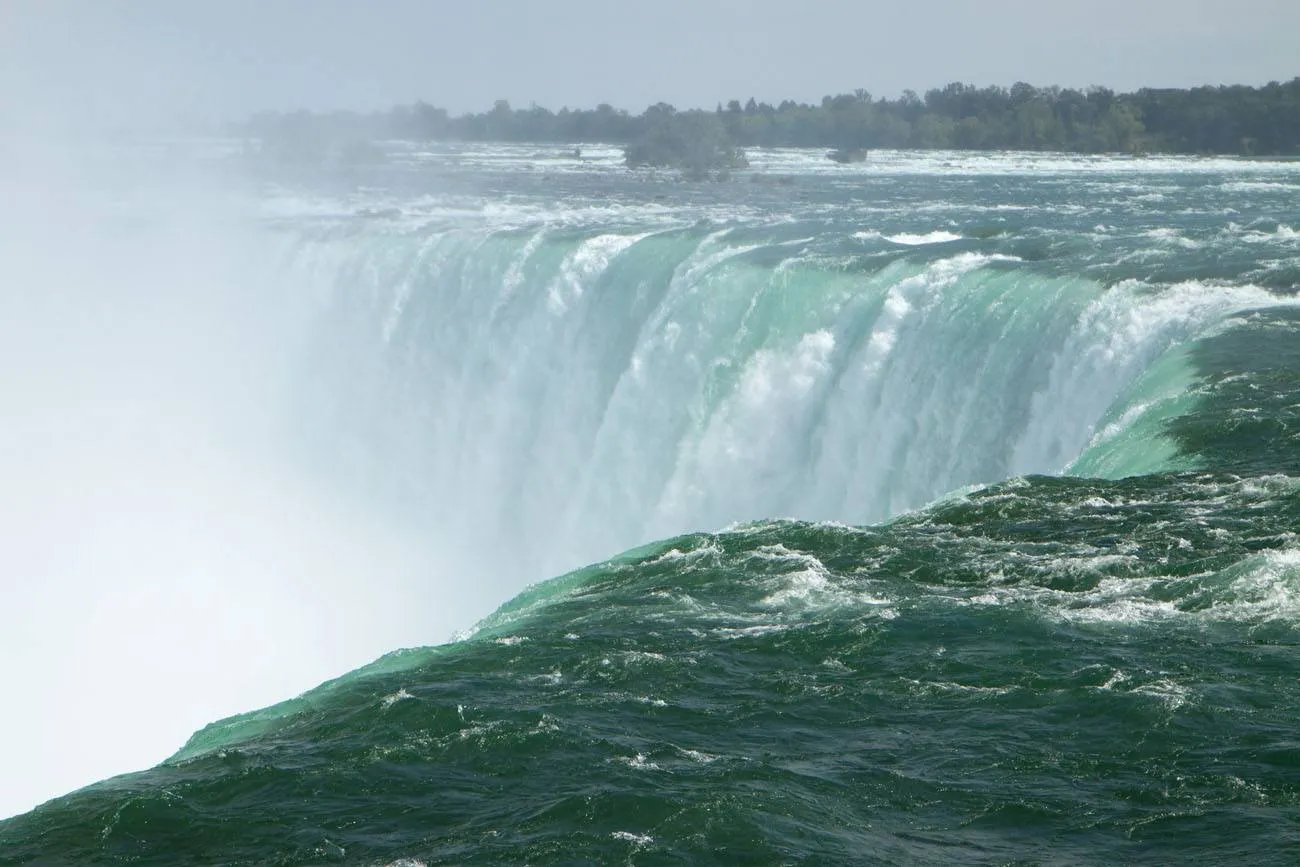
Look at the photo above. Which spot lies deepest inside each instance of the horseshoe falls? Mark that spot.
(939, 508)
(581, 374)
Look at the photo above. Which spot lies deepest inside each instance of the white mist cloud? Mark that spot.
(165, 559)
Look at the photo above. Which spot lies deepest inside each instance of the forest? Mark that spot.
(1238, 119)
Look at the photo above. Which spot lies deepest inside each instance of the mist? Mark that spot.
(167, 558)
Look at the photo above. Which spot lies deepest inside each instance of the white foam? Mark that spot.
(914, 240)
(1283, 234)
(636, 657)
(583, 265)
(389, 700)
(638, 762)
(1170, 693)
(697, 756)
(1166, 234)
(734, 632)
(1259, 187)
(1263, 588)
(710, 551)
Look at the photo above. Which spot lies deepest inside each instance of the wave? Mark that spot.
(913, 240)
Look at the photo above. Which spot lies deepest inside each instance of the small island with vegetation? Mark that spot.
(1241, 120)
(692, 142)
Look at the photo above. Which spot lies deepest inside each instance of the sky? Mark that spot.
(128, 61)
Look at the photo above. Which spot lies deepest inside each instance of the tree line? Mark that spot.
(1220, 120)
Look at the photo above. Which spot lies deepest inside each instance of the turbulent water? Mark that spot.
(989, 473)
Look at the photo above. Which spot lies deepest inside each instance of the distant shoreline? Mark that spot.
(1225, 120)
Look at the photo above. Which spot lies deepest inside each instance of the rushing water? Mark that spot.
(1081, 650)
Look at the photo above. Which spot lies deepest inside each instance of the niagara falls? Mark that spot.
(884, 477)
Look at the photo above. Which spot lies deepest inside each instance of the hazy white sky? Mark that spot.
(116, 59)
